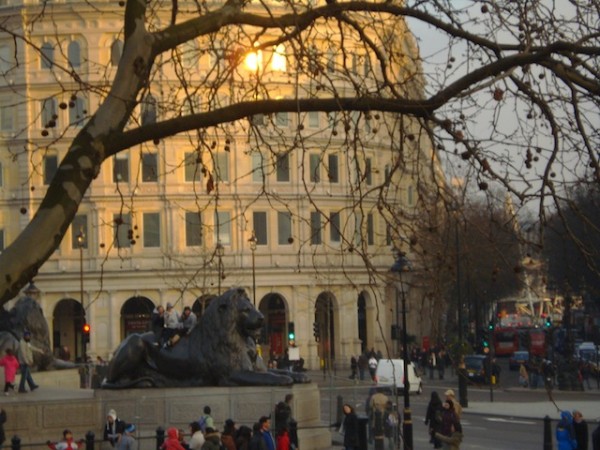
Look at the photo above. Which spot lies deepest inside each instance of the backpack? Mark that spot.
(202, 424)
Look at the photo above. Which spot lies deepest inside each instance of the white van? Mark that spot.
(387, 368)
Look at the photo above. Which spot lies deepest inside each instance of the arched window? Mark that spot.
(116, 50)
(47, 56)
(74, 54)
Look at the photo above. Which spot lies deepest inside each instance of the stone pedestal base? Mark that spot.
(45, 413)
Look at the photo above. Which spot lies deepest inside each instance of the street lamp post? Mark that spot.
(462, 372)
(253, 241)
(403, 265)
(80, 244)
(220, 251)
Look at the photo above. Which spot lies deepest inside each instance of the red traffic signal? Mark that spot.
(86, 328)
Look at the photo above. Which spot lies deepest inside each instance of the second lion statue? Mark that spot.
(219, 351)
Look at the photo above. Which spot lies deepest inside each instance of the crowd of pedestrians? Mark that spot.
(205, 434)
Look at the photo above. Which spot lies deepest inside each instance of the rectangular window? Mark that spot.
(193, 167)
(222, 166)
(122, 230)
(258, 171)
(149, 167)
(77, 113)
(333, 170)
(79, 232)
(313, 119)
(121, 168)
(1, 175)
(259, 221)
(315, 228)
(6, 118)
(1, 241)
(281, 119)
(50, 168)
(315, 167)
(358, 228)
(151, 230)
(370, 230)
(284, 228)
(368, 171)
(410, 198)
(48, 113)
(223, 227)
(193, 229)
(388, 235)
(283, 167)
(335, 234)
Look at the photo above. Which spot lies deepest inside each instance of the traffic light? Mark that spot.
(491, 325)
(316, 331)
(291, 334)
(86, 332)
(548, 322)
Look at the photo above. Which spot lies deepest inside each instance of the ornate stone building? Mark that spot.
(302, 209)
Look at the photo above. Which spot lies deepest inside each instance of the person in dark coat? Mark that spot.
(349, 428)
(449, 418)
(2, 422)
(433, 418)
(580, 428)
(596, 438)
(113, 427)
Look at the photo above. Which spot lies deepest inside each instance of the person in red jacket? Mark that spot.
(283, 439)
(67, 443)
(172, 441)
(11, 365)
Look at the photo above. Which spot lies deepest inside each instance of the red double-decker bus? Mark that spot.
(506, 341)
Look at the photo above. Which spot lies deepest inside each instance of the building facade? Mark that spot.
(303, 210)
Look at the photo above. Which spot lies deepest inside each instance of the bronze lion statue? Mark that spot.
(219, 351)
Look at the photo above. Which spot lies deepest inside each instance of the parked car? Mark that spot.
(518, 358)
(475, 365)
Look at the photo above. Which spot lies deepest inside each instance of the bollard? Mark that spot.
(160, 437)
(89, 440)
(15, 443)
(547, 433)
(363, 436)
(339, 412)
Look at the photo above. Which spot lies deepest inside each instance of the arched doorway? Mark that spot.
(201, 304)
(362, 321)
(273, 336)
(324, 318)
(67, 326)
(135, 316)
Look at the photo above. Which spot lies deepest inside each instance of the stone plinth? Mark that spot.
(43, 414)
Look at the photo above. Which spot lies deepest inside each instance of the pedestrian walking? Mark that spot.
(449, 394)
(580, 427)
(11, 365)
(349, 428)
(25, 354)
(453, 441)
(390, 425)
(523, 376)
(433, 418)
